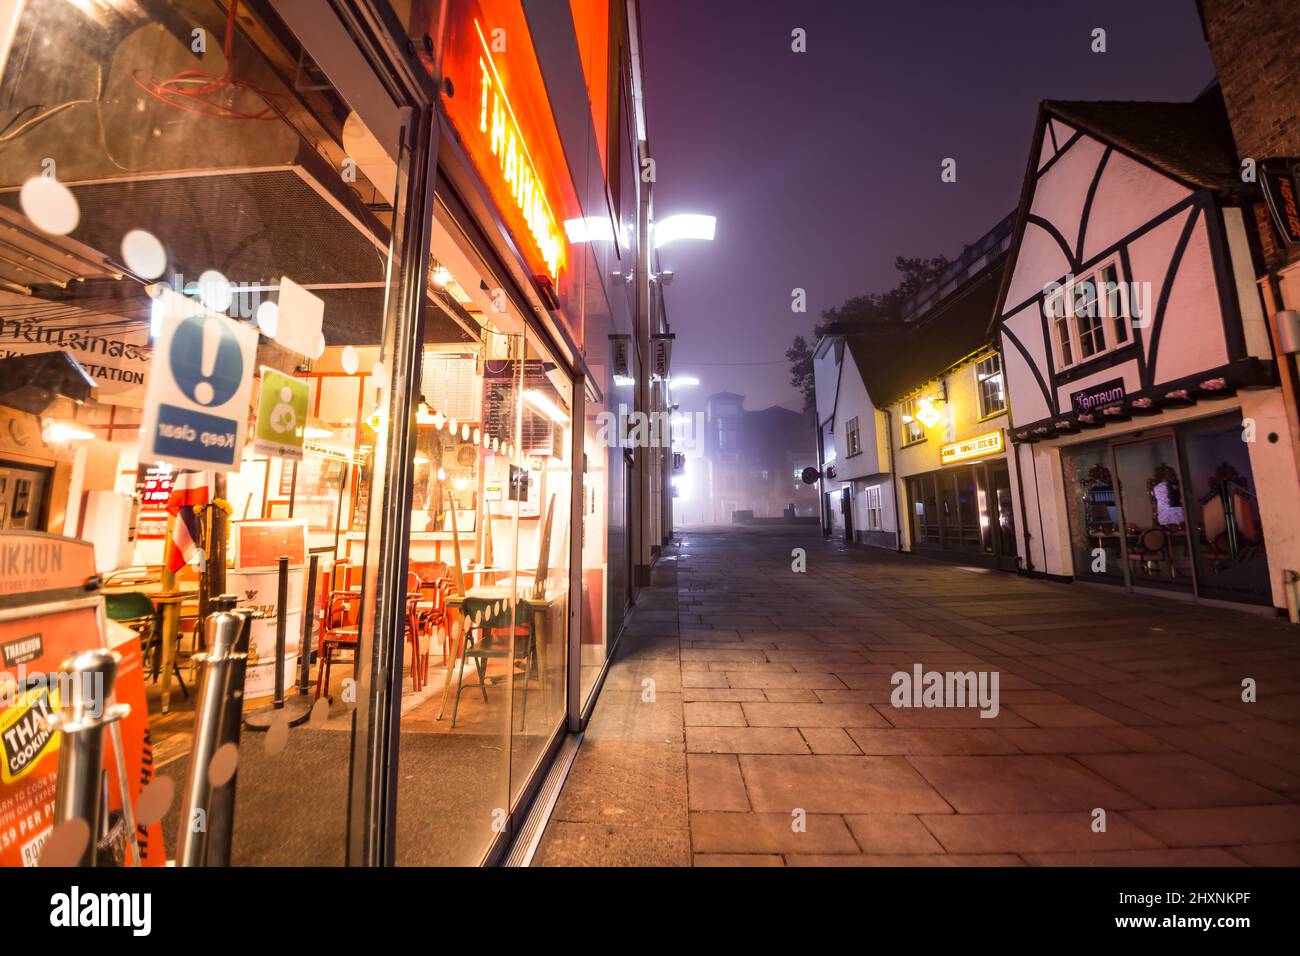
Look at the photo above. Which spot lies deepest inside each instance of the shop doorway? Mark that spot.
(1156, 543)
(1004, 519)
(846, 509)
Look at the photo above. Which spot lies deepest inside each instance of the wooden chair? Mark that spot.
(339, 631)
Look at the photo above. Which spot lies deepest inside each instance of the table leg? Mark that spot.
(446, 680)
(539, 635)
(171, 619)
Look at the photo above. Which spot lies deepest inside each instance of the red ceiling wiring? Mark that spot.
(191, 90)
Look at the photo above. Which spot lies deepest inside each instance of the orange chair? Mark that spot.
(339, 631)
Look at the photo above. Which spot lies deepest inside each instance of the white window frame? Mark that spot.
(913, 431)
(852, 438)
(983, 375)
(875, 512)
(1113, 314)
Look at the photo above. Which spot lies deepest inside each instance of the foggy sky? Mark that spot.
(822, 166)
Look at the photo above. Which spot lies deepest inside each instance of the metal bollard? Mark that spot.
(205, 839)
(85, 714)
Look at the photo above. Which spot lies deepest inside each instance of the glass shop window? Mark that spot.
(197, 260)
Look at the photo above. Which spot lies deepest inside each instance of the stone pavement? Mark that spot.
(747, 721)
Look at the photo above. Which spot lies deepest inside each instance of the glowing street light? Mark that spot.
(684, 226)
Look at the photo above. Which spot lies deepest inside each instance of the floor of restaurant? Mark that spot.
(747, 721)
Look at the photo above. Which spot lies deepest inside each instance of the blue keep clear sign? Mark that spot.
(200, 381)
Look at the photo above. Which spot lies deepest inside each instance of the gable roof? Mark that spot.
(893, 362)
(1190, 141)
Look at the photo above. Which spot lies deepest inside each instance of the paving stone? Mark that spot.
(698, 694)
(1028, 783)
(837, 784)
(922, 859)
(950, 741)
(892, 833)
(714, 714)
(1268, 854)
(1177, 780)
(829, 740)
(1035, 832)
(769, 833)
(745, 740)
(592, 844)
(1161, 858)
(715, 782)
(616, 781)
(1222, 826)
(812, 715)
(738, 859)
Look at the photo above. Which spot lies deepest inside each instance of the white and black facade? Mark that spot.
(1148, 432)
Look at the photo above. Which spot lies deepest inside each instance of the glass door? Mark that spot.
(1223, 512)
(1150, 488)
(1093, 509)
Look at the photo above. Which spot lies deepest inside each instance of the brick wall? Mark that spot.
(1256, 50)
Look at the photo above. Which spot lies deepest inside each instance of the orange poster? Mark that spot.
(65, 618)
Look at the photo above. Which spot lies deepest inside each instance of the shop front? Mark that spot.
(294, 316)
(963, 510)
(1149, 431)
(1173, 508)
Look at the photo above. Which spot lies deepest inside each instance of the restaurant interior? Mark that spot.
(238, 180)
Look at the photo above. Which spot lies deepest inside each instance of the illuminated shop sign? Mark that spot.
(977, 447)
(514, 162)
(1098, 397)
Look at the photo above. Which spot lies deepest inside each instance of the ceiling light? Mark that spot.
(56, 433)
(312, 431)
(545, 405)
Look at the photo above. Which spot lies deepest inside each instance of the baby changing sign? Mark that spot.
(281, 415)
(196, 406)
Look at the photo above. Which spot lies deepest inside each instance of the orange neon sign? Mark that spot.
(514, 161)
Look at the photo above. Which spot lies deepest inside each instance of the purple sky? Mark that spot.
(822, 166)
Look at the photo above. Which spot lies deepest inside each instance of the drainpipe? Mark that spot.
(893, 479)
(1024, 512)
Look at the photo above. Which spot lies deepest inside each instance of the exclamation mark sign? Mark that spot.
(203, 391)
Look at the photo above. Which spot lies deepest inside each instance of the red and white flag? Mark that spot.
(190, 489)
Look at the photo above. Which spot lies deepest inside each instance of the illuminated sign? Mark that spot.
(927, 414)
(977, 447)
(498, 123)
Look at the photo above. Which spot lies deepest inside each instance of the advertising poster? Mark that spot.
(34, 641)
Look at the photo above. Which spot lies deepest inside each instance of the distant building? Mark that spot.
(752, 462)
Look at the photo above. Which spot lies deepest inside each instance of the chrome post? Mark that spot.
(88, 679)
(208, 811)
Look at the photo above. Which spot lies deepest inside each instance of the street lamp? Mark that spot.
(684, 226)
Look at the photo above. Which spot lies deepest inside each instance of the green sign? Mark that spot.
(281, 415)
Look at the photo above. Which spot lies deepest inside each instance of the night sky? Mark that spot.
(823, 166)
